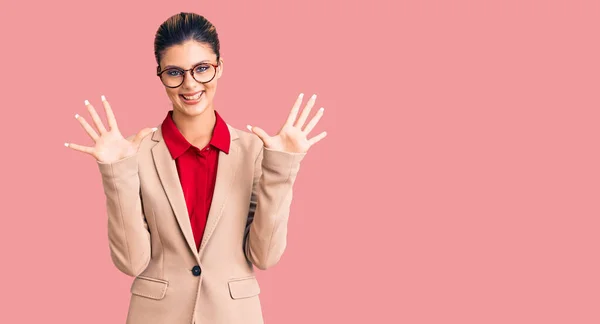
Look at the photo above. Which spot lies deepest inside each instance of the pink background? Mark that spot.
(459, 181)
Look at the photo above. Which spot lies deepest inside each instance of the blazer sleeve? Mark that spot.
(128, 234)
(266, 232)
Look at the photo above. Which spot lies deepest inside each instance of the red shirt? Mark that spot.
(197, 169)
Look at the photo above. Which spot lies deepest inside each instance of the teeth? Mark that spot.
(193, 97)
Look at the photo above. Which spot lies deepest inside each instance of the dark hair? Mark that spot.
(183, 27)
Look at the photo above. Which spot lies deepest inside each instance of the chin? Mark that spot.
(193, 110)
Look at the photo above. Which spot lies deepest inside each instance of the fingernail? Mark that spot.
(103, 98)
(249, 127)
(322, 109)
(67, 144)
(86, 102)
(76, 116)
(154, 129)
(301, 95)
(313, 96)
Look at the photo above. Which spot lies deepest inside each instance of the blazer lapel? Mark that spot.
(226, 173)
(167, 171)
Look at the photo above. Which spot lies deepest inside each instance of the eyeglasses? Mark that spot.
(174, 77)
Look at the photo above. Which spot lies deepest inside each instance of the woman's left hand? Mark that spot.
(291, 137)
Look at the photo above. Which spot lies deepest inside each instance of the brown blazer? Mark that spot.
(150, 236)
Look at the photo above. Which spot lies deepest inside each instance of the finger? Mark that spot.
(260, 133)
(110, 116)
(141, 134)
(317, 138)
(306, 111)
(91, 132)
(95, 118)
(84, 149)
(313, 122)
(292, 116)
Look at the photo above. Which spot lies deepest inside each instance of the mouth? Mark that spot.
(192, 98)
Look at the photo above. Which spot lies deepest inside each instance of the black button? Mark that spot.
(196, 270)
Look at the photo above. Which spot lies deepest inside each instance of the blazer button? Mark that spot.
(196, 270)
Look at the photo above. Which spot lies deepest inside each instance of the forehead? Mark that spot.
(187, 54)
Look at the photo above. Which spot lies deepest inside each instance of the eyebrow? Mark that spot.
(178, 67)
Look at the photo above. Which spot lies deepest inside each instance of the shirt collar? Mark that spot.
(177, 144)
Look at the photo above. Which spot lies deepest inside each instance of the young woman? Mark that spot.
(195, 204)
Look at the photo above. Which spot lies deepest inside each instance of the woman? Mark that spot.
(195, 204)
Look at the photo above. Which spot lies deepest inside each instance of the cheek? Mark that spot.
(211, 87)
(172, 93)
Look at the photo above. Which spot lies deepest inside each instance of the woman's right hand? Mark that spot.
(110, 146)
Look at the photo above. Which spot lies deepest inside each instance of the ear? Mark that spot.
(220, 69)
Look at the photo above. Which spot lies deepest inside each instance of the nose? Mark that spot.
(188, 81)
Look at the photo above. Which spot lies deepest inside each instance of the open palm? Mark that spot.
(292, 138)
(110, 145)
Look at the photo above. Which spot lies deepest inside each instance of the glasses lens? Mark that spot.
(204, 72)
(172, 77)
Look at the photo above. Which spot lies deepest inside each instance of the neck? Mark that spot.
(196, 129)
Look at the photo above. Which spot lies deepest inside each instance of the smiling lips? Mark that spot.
(189, 97)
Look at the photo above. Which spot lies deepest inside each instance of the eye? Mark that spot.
(202, 68)
(173, 73)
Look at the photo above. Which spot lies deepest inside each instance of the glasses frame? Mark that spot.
(159, 73)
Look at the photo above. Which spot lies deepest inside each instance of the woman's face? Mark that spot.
(186, 56)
